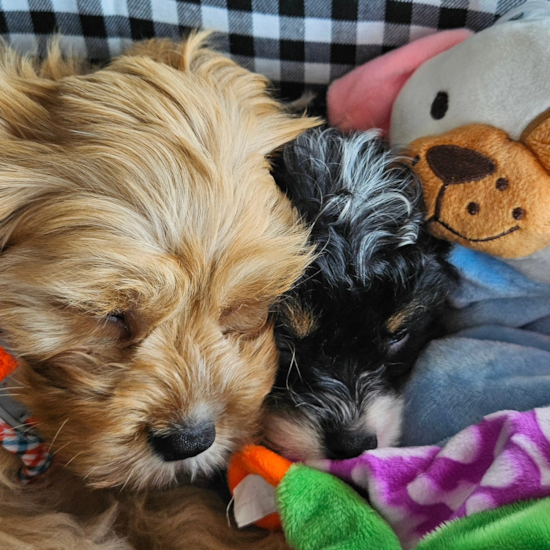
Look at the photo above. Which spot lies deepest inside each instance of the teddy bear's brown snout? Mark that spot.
(454, 165)
(485, 190)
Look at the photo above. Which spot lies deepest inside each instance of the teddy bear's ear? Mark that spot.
(364, 98)
(536, 137)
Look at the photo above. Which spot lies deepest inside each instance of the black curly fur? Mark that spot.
(375, 262)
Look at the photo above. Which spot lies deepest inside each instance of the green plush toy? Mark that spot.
(518, 526)
(319, 512)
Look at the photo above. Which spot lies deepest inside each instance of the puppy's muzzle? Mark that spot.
(344, 444)
(183, 441)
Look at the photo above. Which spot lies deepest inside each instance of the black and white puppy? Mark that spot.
(352, 328)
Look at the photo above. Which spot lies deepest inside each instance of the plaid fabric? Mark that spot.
(296, 43)
(17, 434)
(29, 447)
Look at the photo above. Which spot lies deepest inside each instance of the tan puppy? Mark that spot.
(143, 242)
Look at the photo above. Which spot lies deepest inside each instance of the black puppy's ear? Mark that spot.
(308, 170)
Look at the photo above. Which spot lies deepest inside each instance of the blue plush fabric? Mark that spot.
(498, 356)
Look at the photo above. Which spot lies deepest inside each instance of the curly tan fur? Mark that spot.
(139, 192)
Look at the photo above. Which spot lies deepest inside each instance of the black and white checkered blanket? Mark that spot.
(296, 43)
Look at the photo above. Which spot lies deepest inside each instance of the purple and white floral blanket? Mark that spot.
(501, 460)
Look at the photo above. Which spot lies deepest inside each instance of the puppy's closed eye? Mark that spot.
(244, 319)
(397, 342)
(116, 323)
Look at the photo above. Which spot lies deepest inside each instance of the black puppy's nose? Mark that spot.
(342, 444)
(183, 441)
(453, 164)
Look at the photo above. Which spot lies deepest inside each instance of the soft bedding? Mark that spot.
(487, 477)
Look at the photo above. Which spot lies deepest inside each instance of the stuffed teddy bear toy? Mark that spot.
(475, 118)
(472, 114)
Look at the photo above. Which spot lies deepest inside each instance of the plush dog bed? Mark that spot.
(300, 45)
(296, 43)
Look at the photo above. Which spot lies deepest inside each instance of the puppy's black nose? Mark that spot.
(183, 442)
(342, 444)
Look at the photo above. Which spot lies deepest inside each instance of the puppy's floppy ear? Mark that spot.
(268, 119)
(28, 88)
(279, 128)
(22, 113)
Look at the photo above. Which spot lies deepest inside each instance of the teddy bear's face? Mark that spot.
(483, 190)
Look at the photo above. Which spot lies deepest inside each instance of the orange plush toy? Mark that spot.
(316, 510)
(264, 465)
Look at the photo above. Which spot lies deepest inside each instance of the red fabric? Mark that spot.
(364, 98)
(33, 452)
(22, 440)
(7, 364)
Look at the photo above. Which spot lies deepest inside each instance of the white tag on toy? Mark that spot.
(254, 499)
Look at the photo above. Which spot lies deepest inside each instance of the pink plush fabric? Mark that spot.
(364, 98)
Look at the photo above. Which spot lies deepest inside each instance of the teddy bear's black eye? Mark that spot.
(440, 104)
(517, 17)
